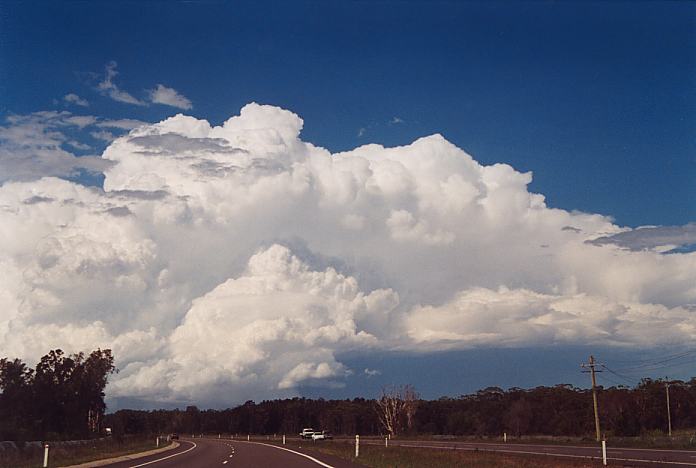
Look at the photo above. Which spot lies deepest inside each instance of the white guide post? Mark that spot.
(357, 446)
(45, 463)
(604, 452)
(283, 439)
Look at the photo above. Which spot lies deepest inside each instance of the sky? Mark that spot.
(326, 197)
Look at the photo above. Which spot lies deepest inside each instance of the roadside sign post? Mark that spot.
(357, 446)
(45, 463)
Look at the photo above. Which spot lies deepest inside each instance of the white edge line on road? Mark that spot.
(170, 456)
(318, 462)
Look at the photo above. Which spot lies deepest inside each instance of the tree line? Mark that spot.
(62, 398)
(560, 410)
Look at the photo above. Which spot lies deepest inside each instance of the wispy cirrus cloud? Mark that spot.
(161, 94)
(109, 88)
(73, 98)
(169, 97)
(122, 124)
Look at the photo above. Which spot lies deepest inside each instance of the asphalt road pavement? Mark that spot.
(225, 453)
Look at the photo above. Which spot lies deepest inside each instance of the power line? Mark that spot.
(623, 377)
(648, 360)
(657, 367)
(620, 384)
(657, 361)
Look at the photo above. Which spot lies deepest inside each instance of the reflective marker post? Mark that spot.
(357, 446)
(604, 452)
(283, 439)
(45, 463)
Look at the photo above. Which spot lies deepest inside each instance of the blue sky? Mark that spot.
(596, 99)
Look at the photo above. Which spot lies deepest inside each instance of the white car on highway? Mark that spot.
(322, 435)
(307, 433)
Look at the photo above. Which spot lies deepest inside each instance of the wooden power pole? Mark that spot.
(669, 414)
(592, 366)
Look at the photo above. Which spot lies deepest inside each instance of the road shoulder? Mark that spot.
(131, 456)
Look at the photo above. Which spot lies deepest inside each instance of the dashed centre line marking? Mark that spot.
(165, 458)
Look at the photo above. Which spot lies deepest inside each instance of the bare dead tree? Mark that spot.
(396, 404)
(411, 399)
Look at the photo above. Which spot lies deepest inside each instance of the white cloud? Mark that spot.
(658, 238)
(122, 124)
(169, 97)
(31, 146)
(519, 317)
(78, 145)
(75, 99)
(103, 135)
(108, 88)
(80, 121)
(240, 261)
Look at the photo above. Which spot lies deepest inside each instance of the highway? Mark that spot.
(616, 455)
(213, 452)
(205, 453)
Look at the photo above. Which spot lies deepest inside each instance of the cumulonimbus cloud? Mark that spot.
(237, 261)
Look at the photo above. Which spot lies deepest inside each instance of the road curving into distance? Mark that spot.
(226, 453)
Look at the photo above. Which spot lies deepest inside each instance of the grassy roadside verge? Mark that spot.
(65, 455)
(404, 457)
(681, 440)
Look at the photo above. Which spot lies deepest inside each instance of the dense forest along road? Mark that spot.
(630, 456)
(225, 453)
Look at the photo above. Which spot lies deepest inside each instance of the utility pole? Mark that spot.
(669, 415)
(592, 364)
